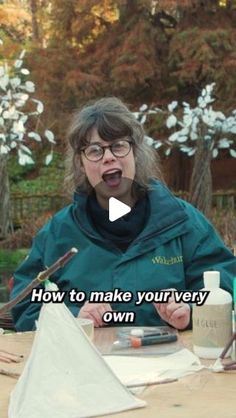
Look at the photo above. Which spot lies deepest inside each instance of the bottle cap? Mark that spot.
(137, 332)
(135, 342)
(211, 279)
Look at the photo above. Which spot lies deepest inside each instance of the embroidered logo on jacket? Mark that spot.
(164, 260)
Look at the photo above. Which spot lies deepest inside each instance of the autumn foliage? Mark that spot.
(140, 50)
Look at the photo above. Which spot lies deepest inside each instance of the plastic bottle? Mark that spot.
(212, 322)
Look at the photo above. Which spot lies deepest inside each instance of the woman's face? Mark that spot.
(111, 176)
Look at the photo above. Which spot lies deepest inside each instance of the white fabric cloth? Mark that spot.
(65, 376)
(137, 370)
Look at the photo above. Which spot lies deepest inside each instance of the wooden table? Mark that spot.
(201, 395)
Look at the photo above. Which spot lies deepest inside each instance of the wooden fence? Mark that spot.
(222, 199)
(30, 206)
(34, 205)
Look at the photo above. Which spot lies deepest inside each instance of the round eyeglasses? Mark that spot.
(95, 152)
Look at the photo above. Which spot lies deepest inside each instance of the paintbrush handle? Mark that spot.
(228, 345)
(9, 373)
(157, 382)
(42, 276)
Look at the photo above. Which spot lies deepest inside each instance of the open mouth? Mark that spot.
(112, 178)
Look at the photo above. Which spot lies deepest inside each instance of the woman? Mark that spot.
(162, 243)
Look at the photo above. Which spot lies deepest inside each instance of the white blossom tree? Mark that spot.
(201, 132)
(15, 135)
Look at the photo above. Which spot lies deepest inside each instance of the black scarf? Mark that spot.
(125, 229)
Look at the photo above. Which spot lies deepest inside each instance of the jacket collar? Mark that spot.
(166, 211)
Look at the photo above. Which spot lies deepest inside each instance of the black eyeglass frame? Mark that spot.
(104, 147)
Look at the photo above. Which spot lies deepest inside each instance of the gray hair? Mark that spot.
(112, 120)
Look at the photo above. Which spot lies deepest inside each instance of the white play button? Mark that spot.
(117, 209)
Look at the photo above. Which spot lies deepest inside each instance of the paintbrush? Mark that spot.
(42, 276)
(9, 373)
(155, 382)
(218, 366)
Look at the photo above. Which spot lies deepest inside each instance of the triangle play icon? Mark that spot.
(117, 209)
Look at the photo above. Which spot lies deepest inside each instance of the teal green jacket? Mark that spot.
(173, 250)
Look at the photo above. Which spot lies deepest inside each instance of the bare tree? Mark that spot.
(35, 27)
(203, 133)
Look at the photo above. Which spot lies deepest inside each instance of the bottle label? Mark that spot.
(212, 325)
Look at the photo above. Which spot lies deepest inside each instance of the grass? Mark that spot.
(9, 259)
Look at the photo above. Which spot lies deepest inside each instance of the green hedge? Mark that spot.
(9, 259)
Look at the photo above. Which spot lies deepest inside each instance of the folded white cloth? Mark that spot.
(65, 376)
(131, 370)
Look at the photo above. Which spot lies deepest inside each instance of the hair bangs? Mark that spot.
(111, 127)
